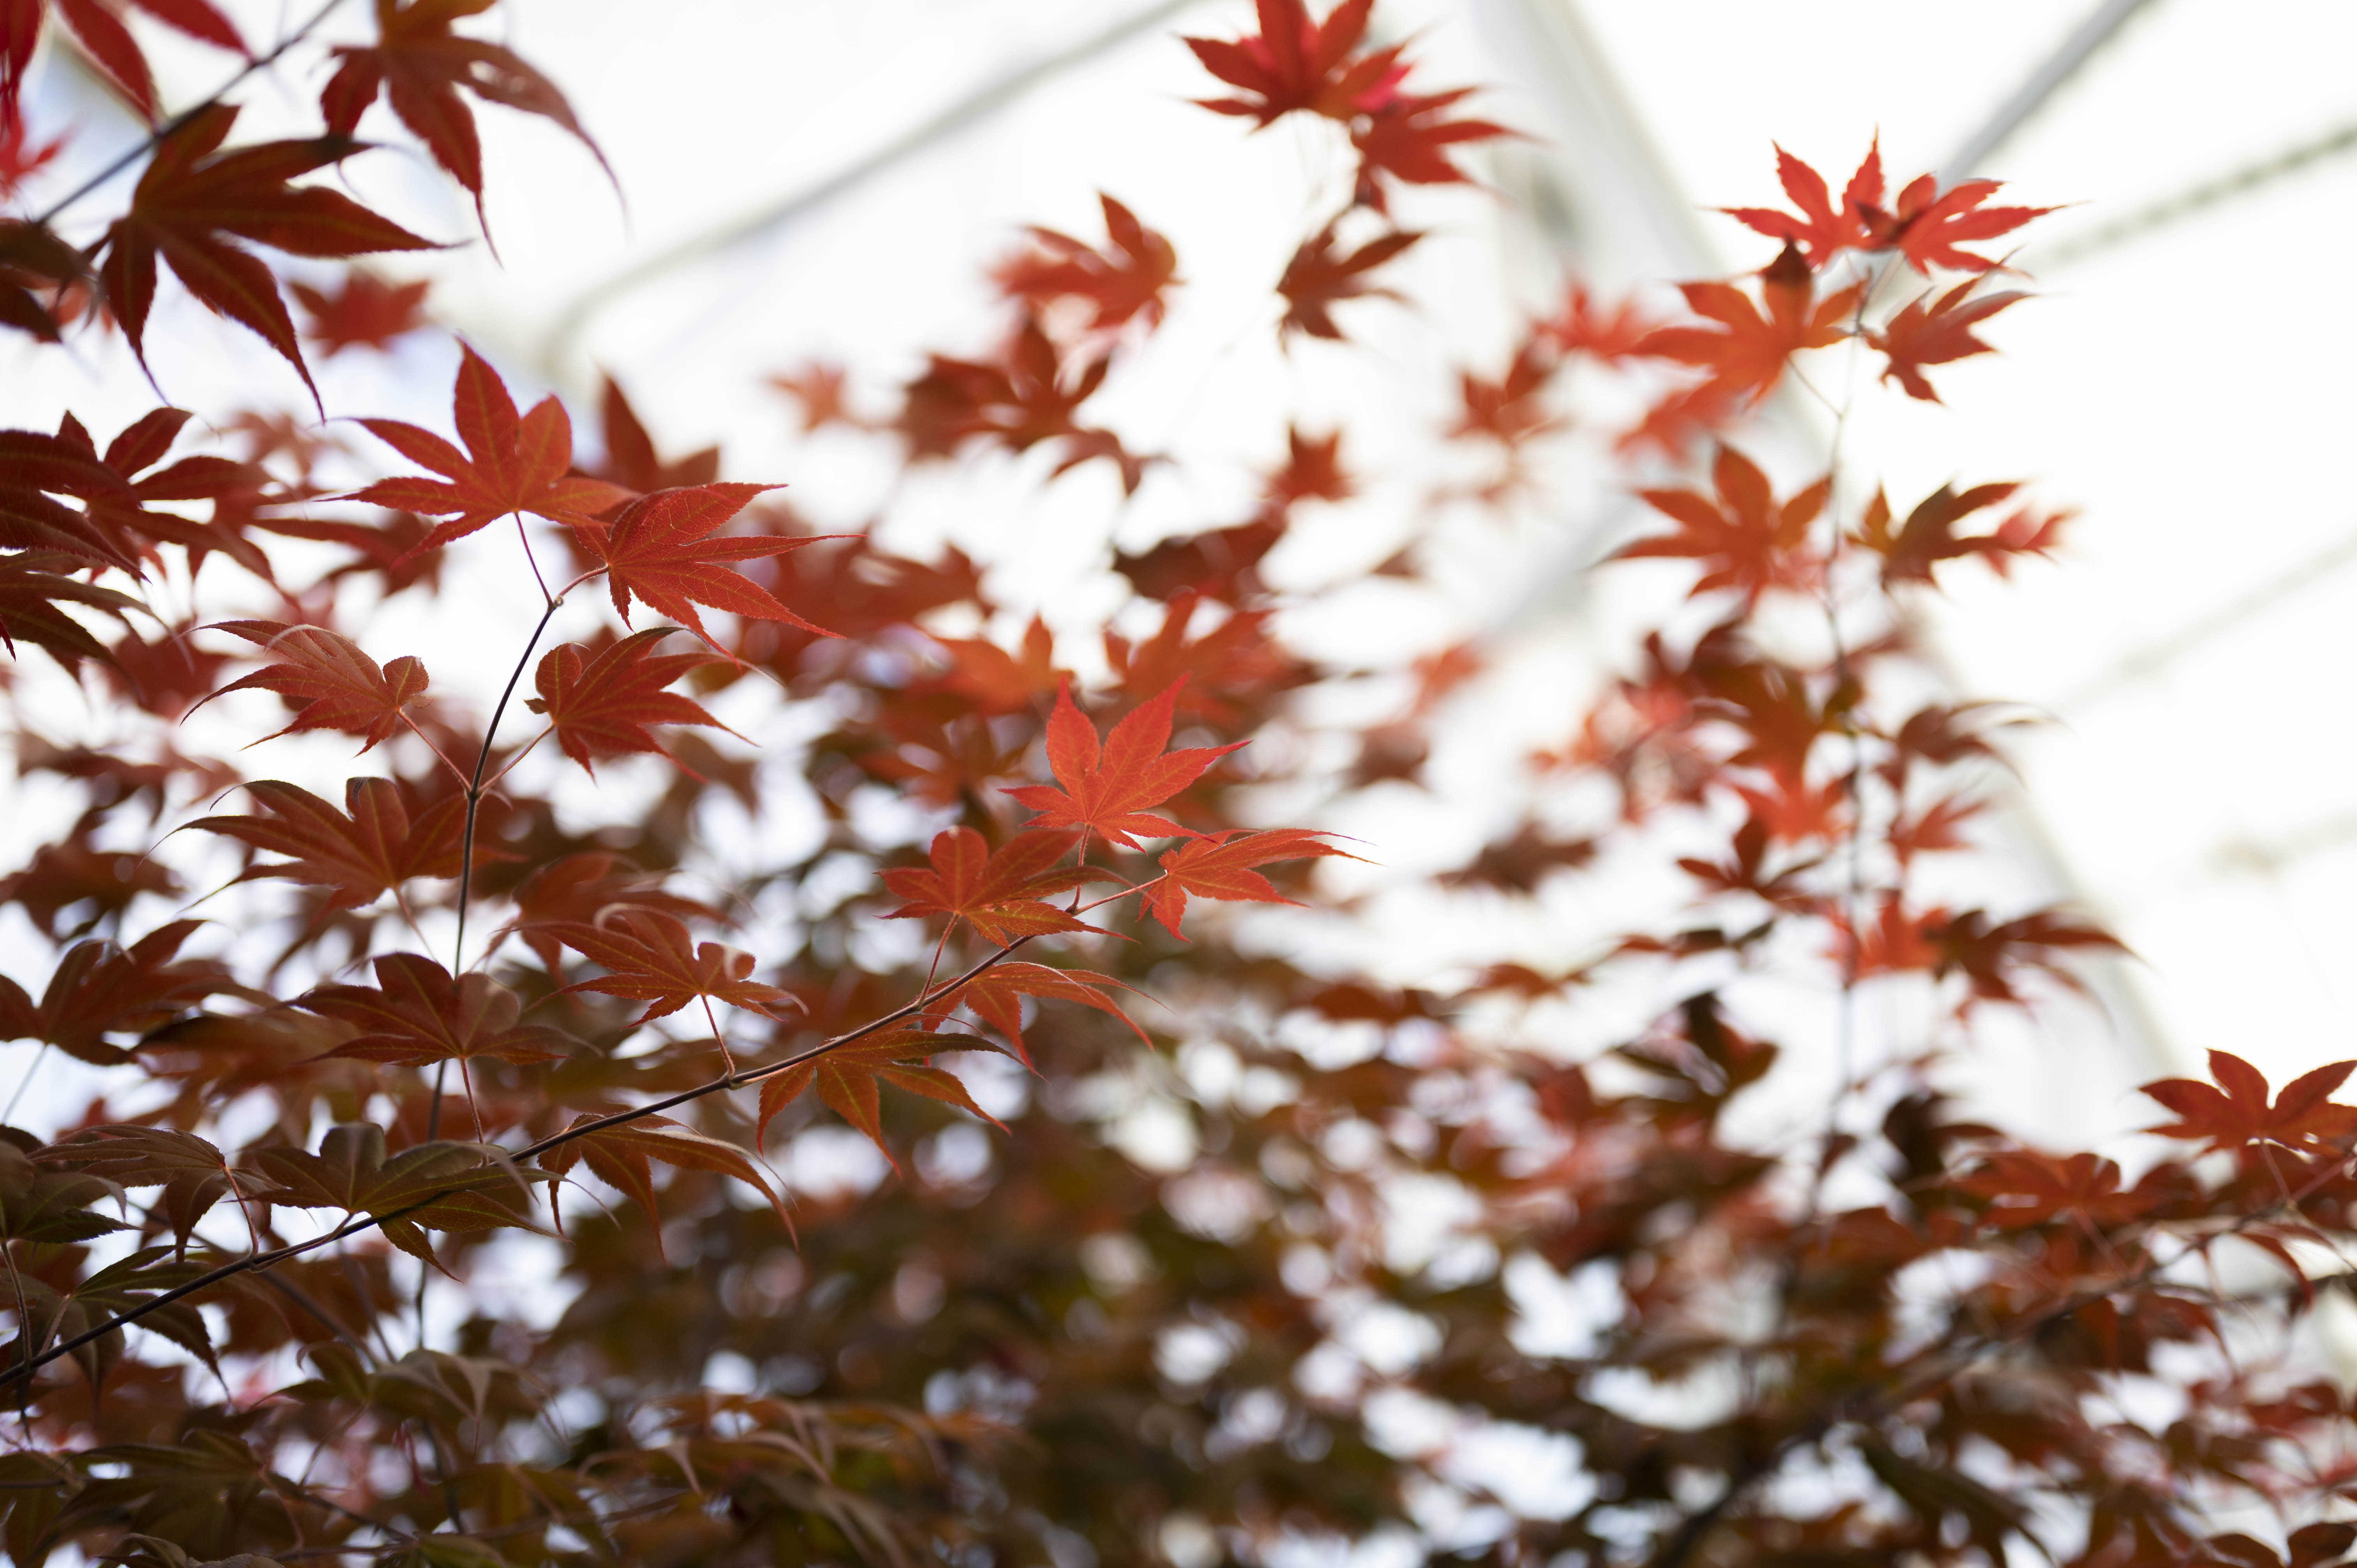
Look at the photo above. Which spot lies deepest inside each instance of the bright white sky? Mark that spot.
(2181, 388)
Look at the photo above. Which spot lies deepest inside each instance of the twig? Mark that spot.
(156, 135)
(360, 1224)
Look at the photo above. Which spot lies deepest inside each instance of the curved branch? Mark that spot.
(361, 1224)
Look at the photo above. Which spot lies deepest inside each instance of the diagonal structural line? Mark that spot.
(2090, 35)
(783, 211)
(2195, 199)
(2151, 660)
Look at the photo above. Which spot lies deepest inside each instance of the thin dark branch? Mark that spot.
(360, 1224)
(156, 134)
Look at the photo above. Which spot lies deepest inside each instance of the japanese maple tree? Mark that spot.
(1721, 1287)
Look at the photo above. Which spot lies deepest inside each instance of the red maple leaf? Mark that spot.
(1107, 788)
(1745, 351)
(818, 389)
(1925, 333)
(1295, 63)
(1929, 224)
(1823, 230)
(1991, 954)
(101, 988)
(34, 592)
(193, 202)
(582, 889)
(1319, 276)
(2302, 1117)
(651, 960)
(999, 681)
(1928, 536)
(1409, 139)
(996, 997)
(421, 65)
(366, 312)
(512, 465)
(1585, 327)
(602, 705)
(660, 548)
(331, 682)
(622, 1156)
(1025, 397)
(21, 157)
(417, 1014)
(848, 1075)
(631, 460)
(362, 852)
(1219, 866)
(1003, 893)
(97, 26)
(1746, 540)
(33, 261)
(1237, 659)
(1124, 282)
(118, 507)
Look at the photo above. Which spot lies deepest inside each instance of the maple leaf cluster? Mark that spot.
(780, 841)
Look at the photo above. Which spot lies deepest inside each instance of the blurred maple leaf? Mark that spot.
(1745, 539)
(1928, 536)
(1745, 351)
(1319, 276)
(1124, 282)
(1924, 332)
(366, 312)
(1295, 63)
(98, 26)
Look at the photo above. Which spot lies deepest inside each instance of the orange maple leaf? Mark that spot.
(1746, 539)
(512, 465)
(1107, 787)
(649, 959)
(660, 548)
(1925, 332)
(1745, 350)
(1219, 866)
(1003, 893)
